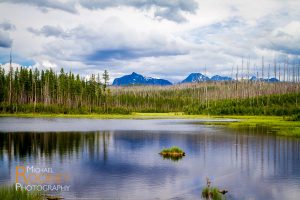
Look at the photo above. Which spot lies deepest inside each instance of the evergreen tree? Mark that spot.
(105, 79)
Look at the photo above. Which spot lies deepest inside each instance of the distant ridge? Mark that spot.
(198, 77)
(271, 80)
(138, 79)
(220, 78)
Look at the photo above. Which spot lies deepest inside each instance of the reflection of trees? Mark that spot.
(97, 144)
(243, 148)
(33, 145)
(259, 147)
(173, 158)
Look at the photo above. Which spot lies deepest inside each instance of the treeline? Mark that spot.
(25, 90)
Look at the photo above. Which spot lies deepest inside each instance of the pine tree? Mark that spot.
(105, 77)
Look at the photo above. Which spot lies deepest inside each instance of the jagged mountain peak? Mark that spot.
(195, 77)
(138, 79)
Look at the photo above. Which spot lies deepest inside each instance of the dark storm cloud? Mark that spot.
(129, 53)
(170, 10)
(47, 4)
(118, 46)
(6, 26)
(5, 40)
(285, 48)
(184, 5)
(170, 14)
(284, 42)
(48, 31)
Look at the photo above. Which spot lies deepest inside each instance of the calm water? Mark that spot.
(118, 159)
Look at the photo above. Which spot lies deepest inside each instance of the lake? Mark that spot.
(118, 159)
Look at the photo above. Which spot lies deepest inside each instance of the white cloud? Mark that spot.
(167, 39)
(6, 66)
(45, 64)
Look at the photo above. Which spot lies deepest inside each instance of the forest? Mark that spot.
(26, 90)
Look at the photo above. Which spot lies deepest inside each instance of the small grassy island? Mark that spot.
(173, 153)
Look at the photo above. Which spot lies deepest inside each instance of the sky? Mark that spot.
(167, 39)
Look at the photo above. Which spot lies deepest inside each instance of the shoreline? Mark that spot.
(279, 124)
(110, 116)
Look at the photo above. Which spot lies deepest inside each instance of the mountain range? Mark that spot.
(272, 80)
(138, 79)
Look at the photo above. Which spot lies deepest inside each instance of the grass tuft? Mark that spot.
(212, 193)
(173, 149)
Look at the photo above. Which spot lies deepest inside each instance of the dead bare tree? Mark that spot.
(262, 68)
(269, 72)
(232, 73)
(298, 72)
(279, 72)
(236, 81)
(10, 78)
(248, 68)
(248, 81)
(242, 74)
(242, 80)
(206, 99)
(284, 70)
(288, 72)
(275, 75)
(293, 75)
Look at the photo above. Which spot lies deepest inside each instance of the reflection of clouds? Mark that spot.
(122, 176)
(9, 124)
(245, 162)
(4, 173)
(263, 165)
(259, 188)
(125, 164)
(133, 163)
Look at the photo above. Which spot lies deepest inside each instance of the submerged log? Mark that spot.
(223, 191)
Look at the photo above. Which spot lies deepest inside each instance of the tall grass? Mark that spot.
(10, 193)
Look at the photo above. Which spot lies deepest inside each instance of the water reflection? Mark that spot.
(172, 158)
(250, 163)
(33, 145)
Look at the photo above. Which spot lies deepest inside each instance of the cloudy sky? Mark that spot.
(159, 38)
